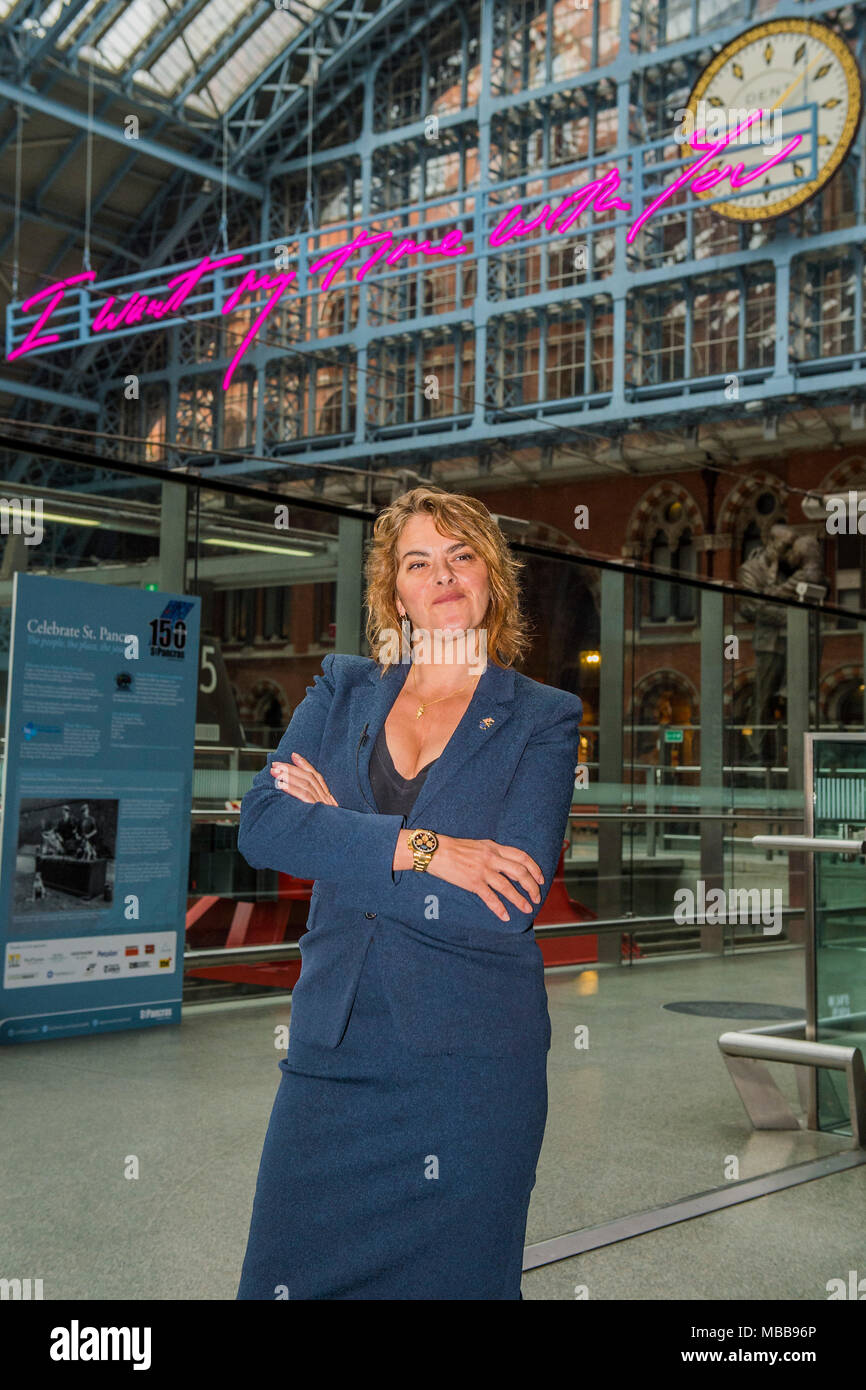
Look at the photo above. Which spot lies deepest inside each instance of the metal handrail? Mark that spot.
(727, 815)
(762, 1100)
(730, 815)
(809, 844)
(290, 950)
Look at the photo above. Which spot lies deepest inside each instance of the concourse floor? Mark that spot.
(642, 1116)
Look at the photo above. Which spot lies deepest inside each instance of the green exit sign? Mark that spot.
(673, 735)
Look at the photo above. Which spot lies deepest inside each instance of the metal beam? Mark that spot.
(613, 892)
(71, 150)
(712, 627)
(532, 428)
(280, 112)
(45, 217)
(39, 393)
(67, 115)
(99, 23)
(67, 16)
(162, 36)
(572, 1243)
(103, 195)
(231, 40)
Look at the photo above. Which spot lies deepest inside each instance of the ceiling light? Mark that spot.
(250, 545)
(70, 520)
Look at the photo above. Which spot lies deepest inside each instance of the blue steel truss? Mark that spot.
(529, 349)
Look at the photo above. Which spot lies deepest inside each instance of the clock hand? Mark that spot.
(790, 89)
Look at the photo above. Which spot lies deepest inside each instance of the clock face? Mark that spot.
(804, 79)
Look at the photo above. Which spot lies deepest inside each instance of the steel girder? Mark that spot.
(335, 33)
(397, 23)
(569, 417)
(63, 222)
(176, 158)
(192, 204)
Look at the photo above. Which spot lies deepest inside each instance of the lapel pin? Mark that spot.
(485, 723)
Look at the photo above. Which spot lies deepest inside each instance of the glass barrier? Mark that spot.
(837, 767)
(696, 699)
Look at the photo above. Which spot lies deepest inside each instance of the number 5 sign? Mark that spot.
(216, 720)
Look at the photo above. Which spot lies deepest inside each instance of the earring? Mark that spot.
(406, 627)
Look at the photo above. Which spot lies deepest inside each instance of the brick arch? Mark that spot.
(844, 475)
(743, 493)
(833, 682)
(249, 704)
(665, 491)
(734, 688)
(666, 676)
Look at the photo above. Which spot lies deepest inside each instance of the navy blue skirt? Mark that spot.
(389, 1175)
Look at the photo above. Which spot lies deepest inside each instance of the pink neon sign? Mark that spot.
(599, 194)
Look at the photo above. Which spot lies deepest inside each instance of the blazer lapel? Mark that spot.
(488, 711)
(371, 704)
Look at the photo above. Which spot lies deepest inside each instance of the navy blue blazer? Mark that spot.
(458, 978)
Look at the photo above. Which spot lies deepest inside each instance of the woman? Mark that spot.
(428, 798)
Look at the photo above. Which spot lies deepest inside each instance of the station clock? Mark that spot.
(805, 80)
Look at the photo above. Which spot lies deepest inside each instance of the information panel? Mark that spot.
(96, 800)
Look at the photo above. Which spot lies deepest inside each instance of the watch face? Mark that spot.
(803, 78)
(425, 841)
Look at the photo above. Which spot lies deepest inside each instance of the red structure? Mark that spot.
(212, 921)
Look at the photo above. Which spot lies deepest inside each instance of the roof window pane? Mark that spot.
(247, 62)
(136, 23)
(79, 23)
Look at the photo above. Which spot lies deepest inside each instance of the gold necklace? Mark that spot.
(421, 708)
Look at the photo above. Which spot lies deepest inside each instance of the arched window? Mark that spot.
(661, 604)
(665, 701)
(673, 549)
(844, 554)
(239, 616)
(686, 563)
(270, 714)
(751, 540)
(753, 518)
(277, 613)
(848, 703)
(333, 418)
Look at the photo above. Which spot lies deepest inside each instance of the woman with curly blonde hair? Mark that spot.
(426, 790)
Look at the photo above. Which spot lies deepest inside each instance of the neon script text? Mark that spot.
(599, 193)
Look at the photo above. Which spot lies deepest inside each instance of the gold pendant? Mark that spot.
(420, 711)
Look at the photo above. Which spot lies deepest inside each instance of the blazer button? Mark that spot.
(369, 914)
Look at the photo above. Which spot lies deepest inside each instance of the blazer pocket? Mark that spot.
(450, 998)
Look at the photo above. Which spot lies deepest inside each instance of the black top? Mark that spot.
(395, 795)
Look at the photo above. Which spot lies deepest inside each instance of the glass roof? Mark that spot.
(228, 42)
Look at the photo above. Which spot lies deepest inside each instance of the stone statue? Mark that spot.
(786, 566)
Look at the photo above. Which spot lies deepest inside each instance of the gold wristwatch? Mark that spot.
(423, 844)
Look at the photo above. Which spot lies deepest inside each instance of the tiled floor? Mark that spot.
(645, 1115)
